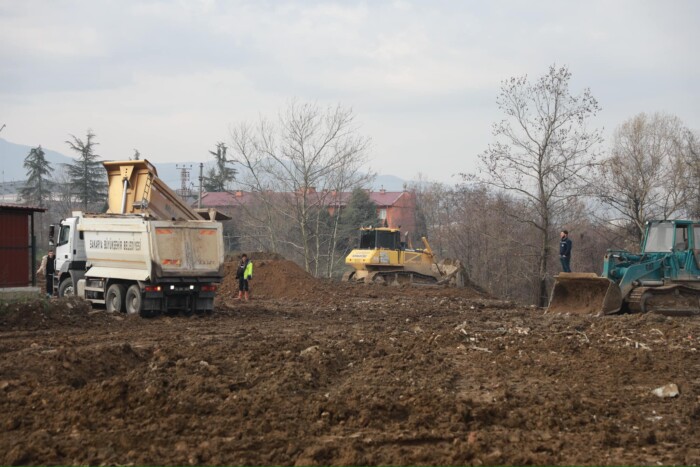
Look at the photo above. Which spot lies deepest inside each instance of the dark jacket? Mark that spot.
(565, 247)
(245, 270)
(241, 269)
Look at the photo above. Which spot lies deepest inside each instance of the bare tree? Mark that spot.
(310, 153)
(542, 152)
(646, 175)
(690, 147)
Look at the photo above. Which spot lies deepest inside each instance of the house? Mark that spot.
(17, 246)
(397, 208)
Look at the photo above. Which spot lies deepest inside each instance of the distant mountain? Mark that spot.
(12, 156)
(389, 183)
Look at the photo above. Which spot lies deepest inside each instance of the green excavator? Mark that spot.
(663, 278)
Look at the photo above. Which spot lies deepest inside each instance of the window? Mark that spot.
(64, 236)
(681, 238)
(659, 237)
(382, 214)
(388, 240)
(696, 235)
(367, 240)
(371, 239)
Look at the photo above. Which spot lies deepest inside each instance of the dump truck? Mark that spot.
(382, 257)
(663, 278)
(149, 253)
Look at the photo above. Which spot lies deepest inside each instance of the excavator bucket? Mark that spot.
(584, 293)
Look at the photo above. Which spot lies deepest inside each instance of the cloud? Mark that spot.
(169, 77)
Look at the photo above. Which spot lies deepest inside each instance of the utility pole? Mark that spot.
(184, 191)
(201, 179)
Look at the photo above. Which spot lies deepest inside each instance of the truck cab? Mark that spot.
(70, 255)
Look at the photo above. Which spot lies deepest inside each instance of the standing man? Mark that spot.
(244, 273)
(565, 251)
(48, 265)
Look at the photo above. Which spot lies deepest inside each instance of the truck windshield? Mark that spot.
(659, 237)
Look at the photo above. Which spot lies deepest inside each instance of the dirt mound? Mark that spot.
(377, 381)
(41, 313)
(272, 279)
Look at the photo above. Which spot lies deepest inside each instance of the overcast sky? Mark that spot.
(171, 77)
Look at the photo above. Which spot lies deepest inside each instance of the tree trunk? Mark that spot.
(542, 273)
(333, 243)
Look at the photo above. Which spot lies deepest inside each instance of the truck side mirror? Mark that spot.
(52, 231)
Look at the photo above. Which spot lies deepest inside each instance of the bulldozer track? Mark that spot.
(401, 277)
(674, 300)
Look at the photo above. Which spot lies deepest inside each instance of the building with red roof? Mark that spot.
(396, 208)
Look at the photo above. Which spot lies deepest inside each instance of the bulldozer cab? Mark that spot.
(665, 236)
(380, 238)
(680, 238)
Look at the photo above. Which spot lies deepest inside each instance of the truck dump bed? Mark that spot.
(132, 247)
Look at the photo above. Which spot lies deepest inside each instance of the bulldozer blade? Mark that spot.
(584, 293)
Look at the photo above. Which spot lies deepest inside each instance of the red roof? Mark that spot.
(18, 207)
(233, 198)
(385, 198)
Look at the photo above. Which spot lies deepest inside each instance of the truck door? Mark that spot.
(63, 244)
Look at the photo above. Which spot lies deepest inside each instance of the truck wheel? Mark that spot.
(66, 288)
(133, 300)
(114, 301)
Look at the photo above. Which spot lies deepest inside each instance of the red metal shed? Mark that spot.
(17, 245)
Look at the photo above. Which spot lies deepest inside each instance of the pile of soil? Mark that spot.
(43, 313)
(272, 279)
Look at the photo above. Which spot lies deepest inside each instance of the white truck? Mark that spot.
(135, 261)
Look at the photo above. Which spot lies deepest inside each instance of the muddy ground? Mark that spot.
(314, 372)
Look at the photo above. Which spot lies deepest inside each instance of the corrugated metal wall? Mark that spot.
(15, 249)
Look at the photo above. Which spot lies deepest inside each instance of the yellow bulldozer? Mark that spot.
(382, 257)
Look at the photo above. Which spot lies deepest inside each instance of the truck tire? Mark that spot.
(66, 288)
(115, 298)
(134, 301)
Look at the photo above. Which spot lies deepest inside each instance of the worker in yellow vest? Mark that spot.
(244, 273)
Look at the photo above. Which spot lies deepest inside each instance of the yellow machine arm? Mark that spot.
(134, 188)
(427, 246)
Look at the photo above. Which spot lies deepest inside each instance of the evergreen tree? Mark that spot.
(360, 211)
(87, 175)
(37, 188)
(219, 177)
